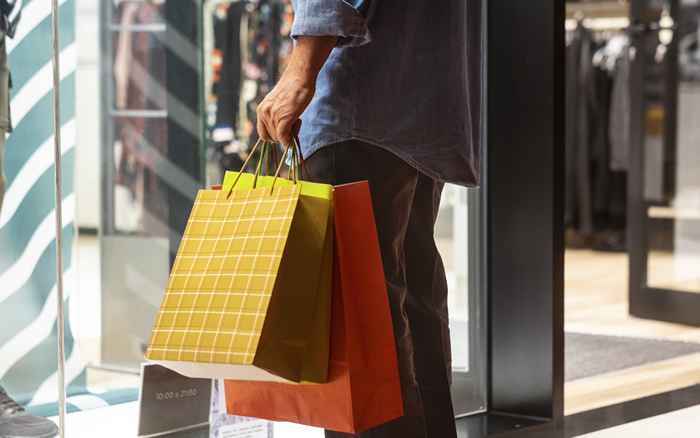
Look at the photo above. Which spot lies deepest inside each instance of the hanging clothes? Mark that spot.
(580, 97)
(139, 78)
(620, 108)
(613, 211)
(228, 41)
(596, 192)
(689, 57)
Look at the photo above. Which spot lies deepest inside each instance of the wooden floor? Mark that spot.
(596, 303)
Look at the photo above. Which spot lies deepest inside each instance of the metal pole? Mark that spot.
(60, 316)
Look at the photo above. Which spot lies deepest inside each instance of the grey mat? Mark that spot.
(591, 355)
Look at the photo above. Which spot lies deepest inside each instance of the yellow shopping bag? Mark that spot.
(249, 293)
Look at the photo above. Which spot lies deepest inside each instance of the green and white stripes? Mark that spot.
(27, 236)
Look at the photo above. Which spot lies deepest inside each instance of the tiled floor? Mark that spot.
(596, 303)
(680, 424)
(120, 422)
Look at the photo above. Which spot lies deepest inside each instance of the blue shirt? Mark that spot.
(398, 79)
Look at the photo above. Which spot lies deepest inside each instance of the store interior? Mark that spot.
(160, 101)
(137, 146)
(632, 224)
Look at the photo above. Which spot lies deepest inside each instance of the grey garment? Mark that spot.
(573, 50)
(620, 107)
(400, 79)
(406, 204)
(581, 98)
(689, 57)
(584, 138)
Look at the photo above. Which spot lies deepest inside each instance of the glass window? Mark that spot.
(28, 291)
(459, 240)
(158, 100)
(137, 13)
(671, 183)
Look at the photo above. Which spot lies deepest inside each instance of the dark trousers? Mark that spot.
(406, 204)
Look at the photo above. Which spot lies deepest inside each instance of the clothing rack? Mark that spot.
(597, 9)
(614, 22)
(599, 23)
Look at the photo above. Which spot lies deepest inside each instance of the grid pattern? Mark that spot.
(222, 279)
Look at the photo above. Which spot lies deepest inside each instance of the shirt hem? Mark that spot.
(315, 147)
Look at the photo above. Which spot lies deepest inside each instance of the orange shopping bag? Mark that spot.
(363, 390)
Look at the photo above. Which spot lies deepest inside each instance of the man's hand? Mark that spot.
(282, 107)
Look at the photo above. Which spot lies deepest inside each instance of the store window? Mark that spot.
(632, 199)
(159, 99)
(28, 292)
(671, 184)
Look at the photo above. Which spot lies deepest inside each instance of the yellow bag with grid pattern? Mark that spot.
(250, 289)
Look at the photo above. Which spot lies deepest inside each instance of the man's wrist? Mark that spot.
(309, 55)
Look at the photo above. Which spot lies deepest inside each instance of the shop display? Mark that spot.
(231, 426)
(151, 162)
(363, 390)
(139, 118)
(597, 137)
(170, 403)
(28, 359)
(674, 266)
(249, 44)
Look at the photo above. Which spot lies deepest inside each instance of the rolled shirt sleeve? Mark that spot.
(341, 18)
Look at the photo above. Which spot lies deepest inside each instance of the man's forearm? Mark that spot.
(279, 111)
(308, 57)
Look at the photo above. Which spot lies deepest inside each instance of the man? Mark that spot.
(15, 422)
(384, 91)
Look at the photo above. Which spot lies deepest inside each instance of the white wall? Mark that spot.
(88, 164)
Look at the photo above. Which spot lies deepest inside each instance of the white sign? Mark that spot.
(245, 429)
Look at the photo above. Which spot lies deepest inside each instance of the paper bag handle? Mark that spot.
(294, 167)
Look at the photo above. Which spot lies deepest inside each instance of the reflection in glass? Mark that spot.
(139, 199)
(672, 184)
(28, 283)
(137, 13)
(246, 47)
(143, 168)
(452, 241)
(148, 139)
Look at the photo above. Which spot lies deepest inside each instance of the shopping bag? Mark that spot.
(315, 205)
(363, 390)
(238, 305)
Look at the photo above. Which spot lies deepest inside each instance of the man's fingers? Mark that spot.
(284, 132)
(278, 113)
(262, 130)
(264, 115)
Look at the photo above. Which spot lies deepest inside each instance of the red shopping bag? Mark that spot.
(363, 390)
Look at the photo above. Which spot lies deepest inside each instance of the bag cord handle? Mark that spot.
(265, 155)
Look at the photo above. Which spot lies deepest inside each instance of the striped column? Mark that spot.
(27, 236)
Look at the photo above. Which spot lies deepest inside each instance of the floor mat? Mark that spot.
(590, 355)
